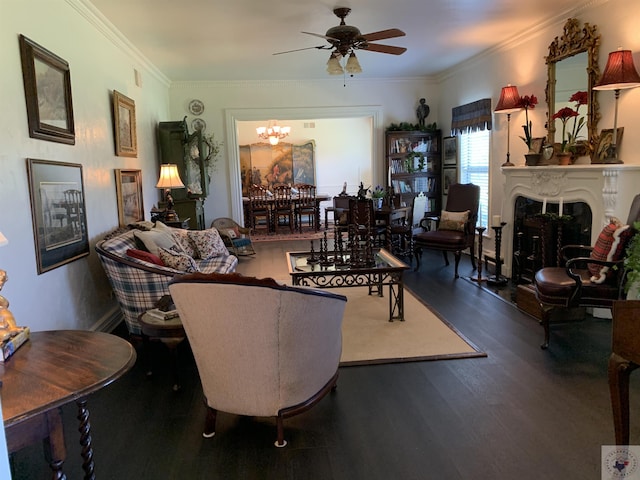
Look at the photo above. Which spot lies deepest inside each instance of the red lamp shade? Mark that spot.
(509, 100)
(619, 73)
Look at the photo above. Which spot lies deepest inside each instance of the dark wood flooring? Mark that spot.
(520, 413)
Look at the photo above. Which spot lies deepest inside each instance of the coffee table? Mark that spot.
(387, 270)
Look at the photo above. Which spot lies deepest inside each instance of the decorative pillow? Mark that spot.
(146, 256)
(179, 261)
(233, 232)
(610, 246)
(208, 243)
(453, 220)
(156, 238)
(182, 238)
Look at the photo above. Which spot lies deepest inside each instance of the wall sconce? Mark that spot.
(169, 178)
(273, 132)
(619, 73)
(509, 102)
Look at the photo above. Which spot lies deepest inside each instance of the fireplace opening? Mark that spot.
(537, 238)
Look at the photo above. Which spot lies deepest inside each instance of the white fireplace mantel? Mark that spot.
(608, 189)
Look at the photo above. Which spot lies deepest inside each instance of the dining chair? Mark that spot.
(259, 208)
(282, 206)
(306, 204)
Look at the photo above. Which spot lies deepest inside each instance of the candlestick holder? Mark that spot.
(479, 278)
(498, 278)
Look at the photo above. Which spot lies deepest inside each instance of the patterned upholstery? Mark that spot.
(138, 284)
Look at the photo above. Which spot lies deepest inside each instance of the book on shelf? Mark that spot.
(15, 340)
(161, 314)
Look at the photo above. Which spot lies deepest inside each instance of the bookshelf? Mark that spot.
(414, 165)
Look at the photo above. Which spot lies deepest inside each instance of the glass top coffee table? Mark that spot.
(336, 271)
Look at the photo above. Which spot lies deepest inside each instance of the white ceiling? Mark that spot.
(215, 40)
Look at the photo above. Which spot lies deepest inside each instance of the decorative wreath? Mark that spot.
(410, 161)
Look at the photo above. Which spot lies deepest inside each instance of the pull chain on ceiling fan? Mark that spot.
(345, 39)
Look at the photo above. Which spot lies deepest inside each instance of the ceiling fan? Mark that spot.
(345, 39)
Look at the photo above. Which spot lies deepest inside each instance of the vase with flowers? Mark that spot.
(377, 195)
(528, 102)
(568, 147)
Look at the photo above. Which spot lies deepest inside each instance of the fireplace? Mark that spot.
(606, 189)
(538, 238)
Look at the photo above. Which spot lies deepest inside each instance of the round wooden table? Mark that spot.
(51, 369)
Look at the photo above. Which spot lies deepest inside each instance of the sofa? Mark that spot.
(140, 262)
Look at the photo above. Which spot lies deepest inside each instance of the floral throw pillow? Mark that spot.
(182, 238)
(453, 220)
(610, 246)
(177, 260)
(208, 243)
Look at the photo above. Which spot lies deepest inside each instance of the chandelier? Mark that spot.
(273, 132)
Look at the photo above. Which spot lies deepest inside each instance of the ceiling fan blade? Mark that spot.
(322, 47)
(384, 34)
(376, 47)
(322, 36)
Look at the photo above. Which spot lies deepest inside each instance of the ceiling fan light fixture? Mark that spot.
(353, 66)
(333, 65)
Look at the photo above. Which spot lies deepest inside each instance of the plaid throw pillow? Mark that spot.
(610, 247)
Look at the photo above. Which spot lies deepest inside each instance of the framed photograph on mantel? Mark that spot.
(124, 118)
(58, 213)
(604, 144)
(129, 193)
(47, 88)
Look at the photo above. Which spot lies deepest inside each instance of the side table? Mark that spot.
(184, 223)
(170, 332)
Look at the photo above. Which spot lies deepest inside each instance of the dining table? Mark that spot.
(321, 197)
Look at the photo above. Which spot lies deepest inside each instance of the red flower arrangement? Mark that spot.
(528, 102)
(569, 139)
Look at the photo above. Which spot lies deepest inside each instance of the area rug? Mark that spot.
(369, 338)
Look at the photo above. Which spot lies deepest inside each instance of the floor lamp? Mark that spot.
(619, 73)
(509, 102)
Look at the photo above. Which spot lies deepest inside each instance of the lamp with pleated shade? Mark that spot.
(169, 178)
(509, 102)
(620, 73)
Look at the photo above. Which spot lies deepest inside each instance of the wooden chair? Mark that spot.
(401, 234)
(277, 363)
(235, 237)
(461, 198)
(282, 206)
(259, 207)
(574, 284)
(306, 204)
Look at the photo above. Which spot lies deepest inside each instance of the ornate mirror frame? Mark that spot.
(575, 39)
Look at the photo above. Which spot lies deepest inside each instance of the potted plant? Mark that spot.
(378, 194)
(569, 139)
(632, 264)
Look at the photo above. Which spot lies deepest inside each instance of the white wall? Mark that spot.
(522, 63)
(76, 295)
(315, 100)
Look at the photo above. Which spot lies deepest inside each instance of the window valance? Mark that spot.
(472, 116)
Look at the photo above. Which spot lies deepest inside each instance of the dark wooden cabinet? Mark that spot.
(414, 165)
(187, 151)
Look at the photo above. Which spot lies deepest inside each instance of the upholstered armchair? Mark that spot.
(262, 349)
(455, 230)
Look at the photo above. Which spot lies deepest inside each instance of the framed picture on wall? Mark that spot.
(58, 213)
(124, 117)
(47, 87)
(449, 177)
(129, 196)
(450, 146)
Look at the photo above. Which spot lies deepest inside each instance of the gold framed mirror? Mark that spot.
(572, 66)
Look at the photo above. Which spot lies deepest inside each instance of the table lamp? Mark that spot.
(169, 178)
(619, 73)
(509, 102)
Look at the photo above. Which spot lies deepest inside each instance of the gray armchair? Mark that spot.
(262, 349)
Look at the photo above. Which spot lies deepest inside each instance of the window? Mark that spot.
(474, 167)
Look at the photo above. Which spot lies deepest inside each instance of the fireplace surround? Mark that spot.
(608, 190)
